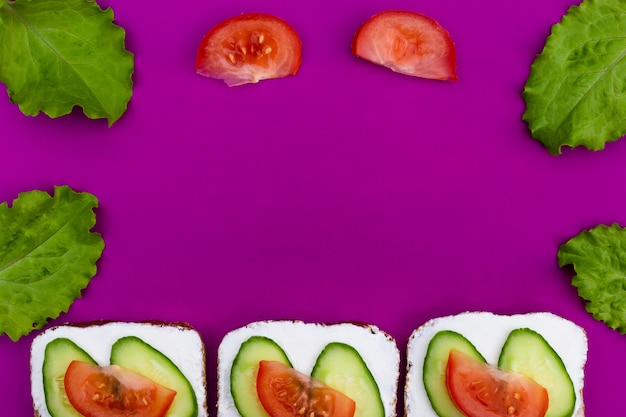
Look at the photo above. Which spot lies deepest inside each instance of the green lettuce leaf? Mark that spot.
(599, 259)
(58, 54)
(47, 256)
(575, 94)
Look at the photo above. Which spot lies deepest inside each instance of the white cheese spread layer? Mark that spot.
(488, 332)
(303, 342)
(182, 345)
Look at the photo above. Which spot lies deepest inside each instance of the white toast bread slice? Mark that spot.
(178, 341)
(303, 342)
(488, 332)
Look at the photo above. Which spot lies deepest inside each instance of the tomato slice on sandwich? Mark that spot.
(409, 43)
(285, 392)
(248, 48)
(112, 391)
(482, 390)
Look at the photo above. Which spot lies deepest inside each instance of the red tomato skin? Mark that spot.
(481, 390)
(123, 393)
(432, 54)
(234, 65)
(285, 392)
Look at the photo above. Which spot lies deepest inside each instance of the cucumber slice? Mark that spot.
(526, 352)
(58, 355)
(133, 353)
(244, 372)
(434, 373)
(341, 367)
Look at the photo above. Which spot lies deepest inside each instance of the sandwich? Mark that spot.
(483, 364)
(89, 369)
(283, 368)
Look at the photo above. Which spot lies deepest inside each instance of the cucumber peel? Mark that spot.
(244, 372)
(341, 367)
(434, 373)
(136, 355)
(58, 355)
(528, 353)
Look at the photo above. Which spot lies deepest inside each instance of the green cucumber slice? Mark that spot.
(526, 352)
(341, 367)
(133, 353)
(58, 355)
(434, 373)
(244, 372)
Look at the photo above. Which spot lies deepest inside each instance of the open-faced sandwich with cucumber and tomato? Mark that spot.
(119, 369)
(479, 364)
(297, 369)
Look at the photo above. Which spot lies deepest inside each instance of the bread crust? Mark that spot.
(303, 342)
(153, 324)
(488, 331)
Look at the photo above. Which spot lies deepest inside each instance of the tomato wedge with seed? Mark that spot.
(112, 391)
(482, 390)
(285, 392)
(409, 43)
(249, 48)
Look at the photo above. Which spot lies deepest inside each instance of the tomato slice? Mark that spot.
(482, 390)
(409, 43)
(249, 48)
(285, 392)
(112, 391)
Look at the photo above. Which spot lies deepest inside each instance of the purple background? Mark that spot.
(347, 192)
